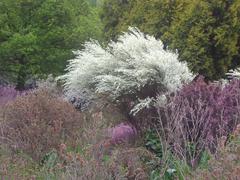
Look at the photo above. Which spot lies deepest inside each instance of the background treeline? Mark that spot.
(38, 37)
(205, 33)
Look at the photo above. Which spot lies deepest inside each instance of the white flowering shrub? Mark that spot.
(234, 73)
(124, 68)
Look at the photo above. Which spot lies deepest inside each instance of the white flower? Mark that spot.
(234, 73)
(124, 67)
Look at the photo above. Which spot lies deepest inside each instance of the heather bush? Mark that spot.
(122, 133)
(133, 69)
(196, 116)
(38, 122)
(129, 163)
(7, 93)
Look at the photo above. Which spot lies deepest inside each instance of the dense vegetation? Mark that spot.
(205, 33)
(37, 37)
(119, 89)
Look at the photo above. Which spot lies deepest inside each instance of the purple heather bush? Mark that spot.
(122, 133)
(198, 115)
(7, 93)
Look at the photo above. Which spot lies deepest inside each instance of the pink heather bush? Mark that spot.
(7, 93)
(122, 133)
(198, 115)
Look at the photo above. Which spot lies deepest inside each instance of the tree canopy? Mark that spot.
(37, 37)
(205, 33)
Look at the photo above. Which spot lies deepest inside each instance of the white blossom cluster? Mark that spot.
(234, 73)
(124, 67)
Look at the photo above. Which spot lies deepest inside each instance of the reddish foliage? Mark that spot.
(122, 133)
(37, 122)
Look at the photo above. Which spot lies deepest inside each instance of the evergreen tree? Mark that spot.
(113, 13)
(205, 33)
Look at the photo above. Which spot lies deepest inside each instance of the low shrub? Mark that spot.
(122, 163)
(39, 121)
(50, 84)
(16, 166)
(7, 93)
(122, 133)
(96, 121)
(225, 164)
(197, 116)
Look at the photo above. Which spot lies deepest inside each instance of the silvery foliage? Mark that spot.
(124, 67)
(49, 83)
(143, 103)
(160, 100)
(234, 73)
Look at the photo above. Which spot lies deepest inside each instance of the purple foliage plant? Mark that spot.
(197, 116)
(122, 133)
(7, 93)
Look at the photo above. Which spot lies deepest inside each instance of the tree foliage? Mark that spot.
(37, 37)
(206, 33)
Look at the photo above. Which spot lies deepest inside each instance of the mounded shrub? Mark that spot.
(133, 70)
(38, 122)
(122, 133)
(7, 93)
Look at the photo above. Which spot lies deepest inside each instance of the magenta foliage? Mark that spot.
(199, 114)
(7, 93)
(122, 133)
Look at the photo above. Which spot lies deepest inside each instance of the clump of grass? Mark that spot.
(225, 164)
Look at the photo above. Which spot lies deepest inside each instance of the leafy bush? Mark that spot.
(135, 67)
(37, 122)
(165, 165)
(197, 116)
